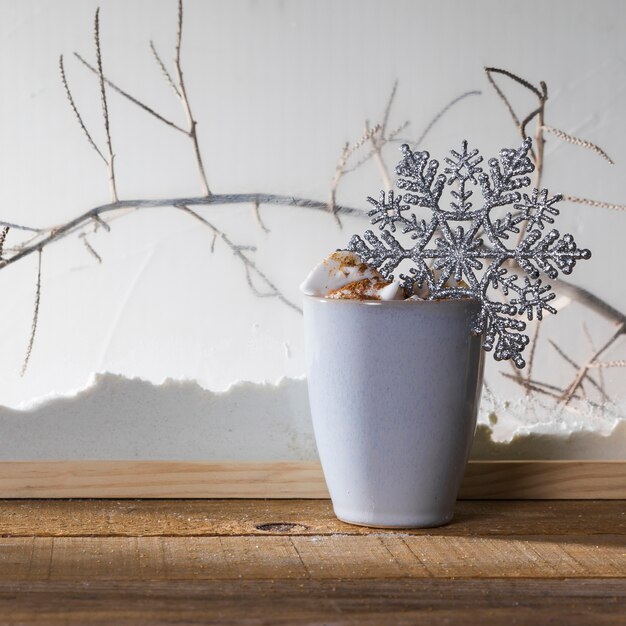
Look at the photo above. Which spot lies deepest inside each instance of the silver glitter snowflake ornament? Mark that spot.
(458, 263)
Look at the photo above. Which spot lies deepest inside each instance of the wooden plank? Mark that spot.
(145, 518)
(292, 562)
(372, 602)
(160, 479)
(334, 556)
(173, 479)
(545, 480)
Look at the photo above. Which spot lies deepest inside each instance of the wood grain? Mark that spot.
(544, 480)
(353, 557)
(262, 518)
(369, 602)
(173, 479)
(252, 562)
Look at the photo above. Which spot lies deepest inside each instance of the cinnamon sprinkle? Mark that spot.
(364, 289)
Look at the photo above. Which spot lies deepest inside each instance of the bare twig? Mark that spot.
(257, 216)
(100, 222)
(68, 93)
(130, 98)
(192, 132)
(341, 170)
(378, 155)
(250, 266)
(529, 118)
(51, 235)
(550, 390)
(166, 74)
(33, 328)
(500, 93)
(29, 229)
(441, 113)
(588, 299)
(592, 346)
(575, 365)
(516, 373)
(595, 203)
(564, 356)
(255, 290)
(90, 248)
(542, 96)
(392, 95)
(379, 139)
(487, 390)
(578, 142)
(531, 356)
(105, 107)
(608, 364)
(9, 251)
(575, 384)
(57, 233)
(534, 385)
(3, 237)
(540, 141)
(391, 137)
(536, 152)
(537, 383)
(514, 77)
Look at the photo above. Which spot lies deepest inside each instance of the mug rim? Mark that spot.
(355, 302)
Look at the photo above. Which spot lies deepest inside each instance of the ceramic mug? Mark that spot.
(394, 388)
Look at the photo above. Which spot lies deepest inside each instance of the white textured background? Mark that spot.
(277, 88)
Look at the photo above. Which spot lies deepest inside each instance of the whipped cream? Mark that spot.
(343, 275)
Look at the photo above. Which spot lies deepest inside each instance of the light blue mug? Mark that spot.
(394, 389)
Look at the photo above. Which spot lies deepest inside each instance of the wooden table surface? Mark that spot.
(291, 562)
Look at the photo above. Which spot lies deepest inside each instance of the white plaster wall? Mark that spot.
(277, 87)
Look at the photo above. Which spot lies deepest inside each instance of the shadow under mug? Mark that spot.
(394, 388)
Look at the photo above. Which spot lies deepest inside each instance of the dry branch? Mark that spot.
(68, 93)
(536, 386)
(592, 347)
(377, 136)
(51, 235)
(105, 108)
(256, 209)
(392, 96)
(341, 169)
(568, 394)
(608, 364)
(35, 321)
(391, 137)
(514, 77)
(440, 114)
(3, 238)
(90, 248)
(249, 265)
(578, 142)
(164, 71)
(130, 98)
(531, 357)
(595, 203)
(575, 365)
(192, 131)
(378, 155)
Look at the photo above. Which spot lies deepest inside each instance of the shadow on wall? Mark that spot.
(118, 418)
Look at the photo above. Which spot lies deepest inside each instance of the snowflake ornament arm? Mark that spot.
(446, 243)
(387, 212)
(538, 209)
